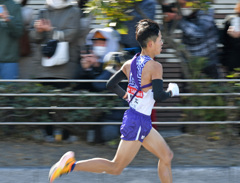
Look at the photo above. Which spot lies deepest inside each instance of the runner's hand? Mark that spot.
(173, 87)
(125, 97)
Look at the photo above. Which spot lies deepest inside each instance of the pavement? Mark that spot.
(196, 160)
(129, 175)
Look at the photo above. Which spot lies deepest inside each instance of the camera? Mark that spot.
(1, 9)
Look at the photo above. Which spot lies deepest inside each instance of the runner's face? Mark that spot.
(158, 44)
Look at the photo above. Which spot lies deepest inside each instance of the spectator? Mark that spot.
(143, 9)
(199, 34)
(25, 62)
(231, 41)
(104, 41)
(107, 133)
(58, 17)
(170, 11)
(99, 42)
(96, 62)
(11, 29)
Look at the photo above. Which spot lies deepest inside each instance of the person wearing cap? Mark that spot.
(94, 59)
(103, 41)
(99, 42)
(231, 41)
(100, 63)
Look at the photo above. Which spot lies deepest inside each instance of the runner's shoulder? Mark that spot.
(128, 62)
(154, 65)
(126, 66)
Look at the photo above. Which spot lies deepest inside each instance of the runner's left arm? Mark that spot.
(158, 93)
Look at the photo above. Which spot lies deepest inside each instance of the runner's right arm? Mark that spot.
(113, 85)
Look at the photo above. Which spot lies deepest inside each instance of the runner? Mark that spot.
(144, 88)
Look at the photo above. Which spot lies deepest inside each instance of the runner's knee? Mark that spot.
(171, 155)
(168, 158)
(116, 169)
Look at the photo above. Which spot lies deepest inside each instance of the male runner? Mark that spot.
(144, 88)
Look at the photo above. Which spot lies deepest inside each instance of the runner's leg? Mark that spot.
(155, 143)
(126, 152)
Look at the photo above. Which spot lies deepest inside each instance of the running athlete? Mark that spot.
(144, 88)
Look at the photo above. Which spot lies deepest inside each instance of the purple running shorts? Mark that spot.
(135, 125)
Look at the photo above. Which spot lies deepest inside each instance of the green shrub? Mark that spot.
(195, 66)
(19, 114)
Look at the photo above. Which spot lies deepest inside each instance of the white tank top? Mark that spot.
(143, 102)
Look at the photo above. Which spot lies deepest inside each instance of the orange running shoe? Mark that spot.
(63, 166)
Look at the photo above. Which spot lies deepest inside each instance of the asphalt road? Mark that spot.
(129, 175)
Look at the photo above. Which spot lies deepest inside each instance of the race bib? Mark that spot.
(136, 100)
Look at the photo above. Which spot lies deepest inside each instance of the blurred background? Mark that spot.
(48, 110)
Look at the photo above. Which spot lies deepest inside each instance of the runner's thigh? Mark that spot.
(155, 143)
(126, 152)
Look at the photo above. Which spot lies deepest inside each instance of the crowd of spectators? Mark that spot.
(96, 53)
(201, 36)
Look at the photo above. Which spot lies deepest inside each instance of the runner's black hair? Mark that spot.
(146, 29)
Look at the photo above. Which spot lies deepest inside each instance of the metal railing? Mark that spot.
(119, 123)
(117, 108)
(93, 80)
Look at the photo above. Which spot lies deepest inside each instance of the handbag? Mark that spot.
(60, 52)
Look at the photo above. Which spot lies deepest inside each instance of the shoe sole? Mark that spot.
(60, 164)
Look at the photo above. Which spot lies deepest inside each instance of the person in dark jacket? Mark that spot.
(108, 133)
(199, 32)
(231, 41)
(11, 29)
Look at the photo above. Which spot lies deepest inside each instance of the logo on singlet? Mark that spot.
(132, 90)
